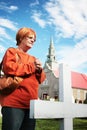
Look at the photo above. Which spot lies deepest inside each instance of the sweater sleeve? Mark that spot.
(12, 67)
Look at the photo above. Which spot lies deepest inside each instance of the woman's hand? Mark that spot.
(38, 66)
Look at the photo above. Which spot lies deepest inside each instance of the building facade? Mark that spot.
(49, 89)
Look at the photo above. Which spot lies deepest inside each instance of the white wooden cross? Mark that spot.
(65, 110)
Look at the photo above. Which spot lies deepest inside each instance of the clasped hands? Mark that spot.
(38, 66)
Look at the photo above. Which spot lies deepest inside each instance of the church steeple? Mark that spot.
(51, 52)
(51, 59)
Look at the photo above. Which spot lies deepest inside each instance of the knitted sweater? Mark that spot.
(21, 66)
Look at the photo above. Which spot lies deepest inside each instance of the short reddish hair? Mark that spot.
(23, 32)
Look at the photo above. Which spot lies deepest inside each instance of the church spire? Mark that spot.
(51, 52)
(51, 60)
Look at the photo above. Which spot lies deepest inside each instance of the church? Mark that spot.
(49, 88)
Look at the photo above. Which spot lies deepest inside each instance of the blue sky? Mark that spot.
(63, 20)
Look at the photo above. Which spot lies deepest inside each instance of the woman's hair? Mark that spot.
(23, 32)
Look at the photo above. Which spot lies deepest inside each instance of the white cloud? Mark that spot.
(69, 19)
(13, 8)
(37, 17)
(3, 34)
(4, 6)
(68, 16)
(34, 3)
(2, 52)
(2, 49)
(75, 56)
(8, 24)
(4, 25)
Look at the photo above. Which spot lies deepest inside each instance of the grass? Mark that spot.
(47, 124)
(0, 122)
(53, 124)
(80, 124)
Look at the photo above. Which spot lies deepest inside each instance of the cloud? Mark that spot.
(2, 52)
(8, 24)
(37, 17)
(75, 56)
(4, 25)
(4, 6)
(69, 17)
(2, 49)
(13, 8)
(34, 3)
(3, 34)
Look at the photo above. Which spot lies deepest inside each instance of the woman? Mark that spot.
(15, 106)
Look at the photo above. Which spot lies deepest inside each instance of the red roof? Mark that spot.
(79, 80)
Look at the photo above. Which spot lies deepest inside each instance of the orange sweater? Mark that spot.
(22, 66)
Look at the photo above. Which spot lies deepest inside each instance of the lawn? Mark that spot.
(0, 122)
(53, 124)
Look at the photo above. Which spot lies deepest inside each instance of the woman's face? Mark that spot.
(28, 41)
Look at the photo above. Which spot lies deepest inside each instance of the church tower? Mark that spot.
(51, 62)
(49, 88)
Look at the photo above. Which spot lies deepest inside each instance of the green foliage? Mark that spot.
(47, 124)
(0, 122)
(53, 124)
(80, 124)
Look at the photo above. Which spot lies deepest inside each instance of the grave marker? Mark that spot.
(64, 110)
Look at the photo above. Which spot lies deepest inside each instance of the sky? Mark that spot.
(65, 21)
